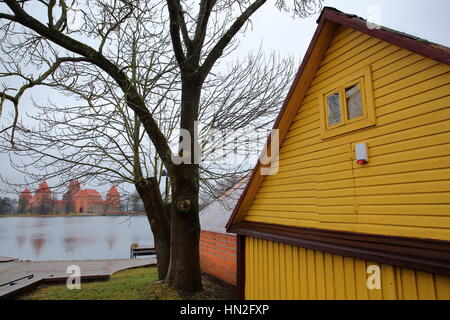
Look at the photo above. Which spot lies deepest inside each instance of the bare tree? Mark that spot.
(199, 38)
(143, 52)
(100, 140)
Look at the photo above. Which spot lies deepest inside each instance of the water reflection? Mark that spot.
(69, 245)
(61, 238)
(73, 243)
(38, 242)
(111, 243)
(37, 223)
(111, 240)
(20, 240)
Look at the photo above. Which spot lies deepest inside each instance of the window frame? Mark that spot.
(363, 78)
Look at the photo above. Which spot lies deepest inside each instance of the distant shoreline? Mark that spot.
(67, 215)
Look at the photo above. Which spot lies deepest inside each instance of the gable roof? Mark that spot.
(113, 191)
(415, 44)
(26, 193)
(74, 182)
(328, 22)
(43, 187)
(91, 193)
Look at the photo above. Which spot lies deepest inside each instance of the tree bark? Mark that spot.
(184, 271)
(159, 219)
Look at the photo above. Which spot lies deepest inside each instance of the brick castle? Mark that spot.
(75, 200)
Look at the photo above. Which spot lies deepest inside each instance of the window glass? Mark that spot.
(353, 101)
(334, 109)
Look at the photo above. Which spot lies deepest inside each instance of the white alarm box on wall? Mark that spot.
(362, 156)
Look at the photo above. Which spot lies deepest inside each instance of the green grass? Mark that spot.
(124, 285)
(132, 284)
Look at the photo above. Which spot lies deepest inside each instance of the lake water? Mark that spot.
(72, 238)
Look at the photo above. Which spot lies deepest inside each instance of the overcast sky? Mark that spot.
(276, 31)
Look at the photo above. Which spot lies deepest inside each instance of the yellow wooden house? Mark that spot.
(359, 206)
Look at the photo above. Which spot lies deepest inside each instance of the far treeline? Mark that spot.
(8, 205)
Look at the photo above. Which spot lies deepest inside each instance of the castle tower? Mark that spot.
(74, 187)
(42, 199)
(26, 194)
(25, 200)
(68, 197)
(43, 192)
(113, 198)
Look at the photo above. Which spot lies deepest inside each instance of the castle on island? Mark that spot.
(75, 200)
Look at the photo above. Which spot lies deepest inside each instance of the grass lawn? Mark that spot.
(132, 284)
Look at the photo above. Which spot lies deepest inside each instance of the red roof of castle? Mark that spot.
(43, 187)
(26, 193)
(91, 195)
(74, 182)
(88, 193)
(113, 190)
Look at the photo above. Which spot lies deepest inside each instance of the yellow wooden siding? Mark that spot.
(404, 190)
(280, 271)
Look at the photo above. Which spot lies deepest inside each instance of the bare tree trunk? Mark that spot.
(159, 219)
(184, 270)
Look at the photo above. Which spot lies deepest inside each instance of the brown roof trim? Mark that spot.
(423, 47)
(408, 42)
(420, 254)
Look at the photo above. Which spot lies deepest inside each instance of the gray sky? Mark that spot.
(276, 31)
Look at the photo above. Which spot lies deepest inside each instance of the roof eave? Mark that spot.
(420, 46)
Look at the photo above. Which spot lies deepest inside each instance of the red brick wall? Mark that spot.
(218, 255)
